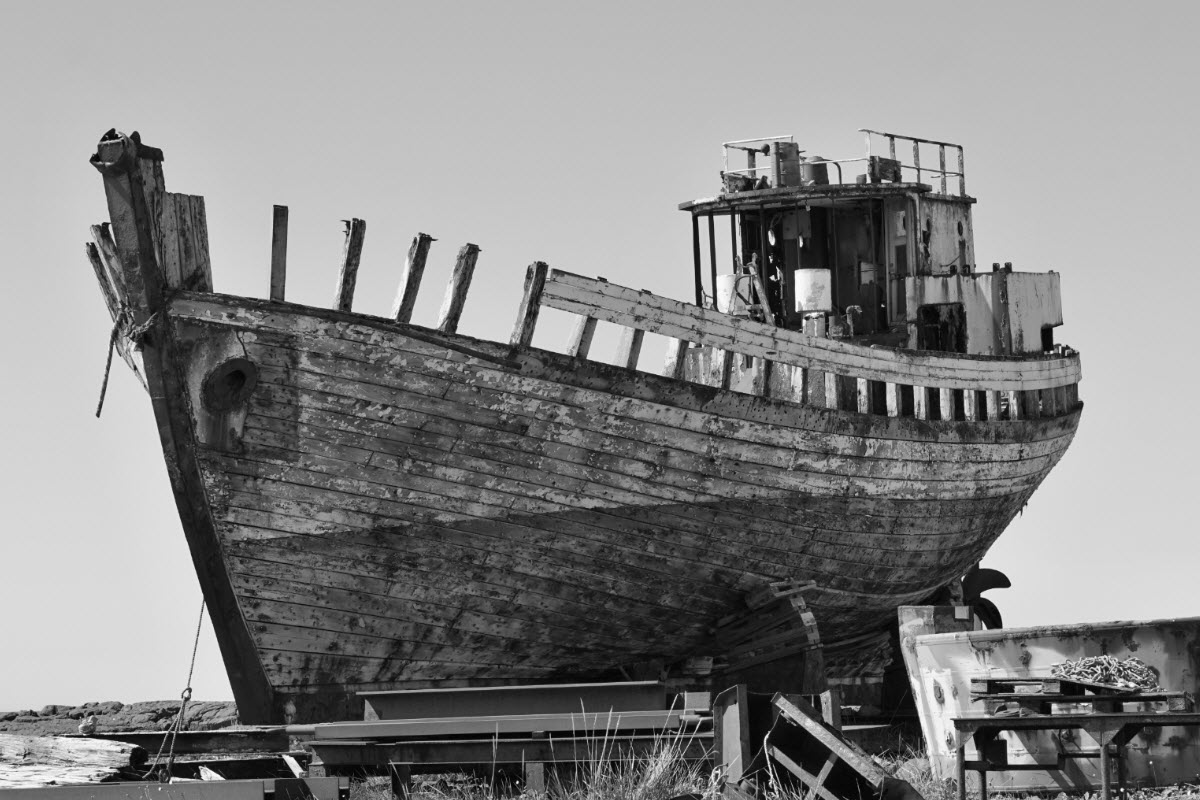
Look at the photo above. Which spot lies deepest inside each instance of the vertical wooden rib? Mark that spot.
(894, 404)
(629, 349)
(864, 395)
(833, 391)
(460, 284)
(106, 288)
(1014, 405)
(531, 301)
(107, 250)
(279, 232)
(410, 279)
(992, 403)
(581, 337)
(676, 359)
(920, 402)
(946, 403)
(971, 405)
(356, 229)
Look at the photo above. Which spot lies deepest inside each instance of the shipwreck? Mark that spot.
(850, 412)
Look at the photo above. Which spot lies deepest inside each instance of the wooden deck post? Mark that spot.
(581, 337)
(946, 404)
(456, 290)
(920, 402)
(676, 359)
(894, 402)
(971, 405)
(279, 232)
(531, 304)
(991, 401)
(356, 229)
(410, 279)
(1014, 405)
(629, 349)
(833, 391)
(864, 395)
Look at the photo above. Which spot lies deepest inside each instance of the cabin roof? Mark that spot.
(822, 194)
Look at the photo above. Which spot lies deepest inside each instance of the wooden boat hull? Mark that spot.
(373, 505)
(402, 507)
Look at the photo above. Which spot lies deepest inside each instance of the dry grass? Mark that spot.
(607, 773)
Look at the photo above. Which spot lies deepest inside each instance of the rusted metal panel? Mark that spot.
(941, 667)
(493, 700)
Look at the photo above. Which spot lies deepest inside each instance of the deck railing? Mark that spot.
(832, 373)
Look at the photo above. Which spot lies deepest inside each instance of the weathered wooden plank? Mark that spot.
(456, 290)
(825, 558)
(863, 395)
(629, 348)
(279, 235)
(971, 405)
(894, 400)
(42, 760)
(345, 337)
(410, 278)
(356, 230)
(597, 518)
(1015, 411)
(946, 403)
(992, 405)
(531, 303)
(833, 390)
(106, 248)
(920, 402)
(580, 343)
(628, 307)
(183, 229)
(542, 395)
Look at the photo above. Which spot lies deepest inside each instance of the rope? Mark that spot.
(112, 345)
(177, 724)
(136, 334)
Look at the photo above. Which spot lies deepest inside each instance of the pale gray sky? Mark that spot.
(568, 133)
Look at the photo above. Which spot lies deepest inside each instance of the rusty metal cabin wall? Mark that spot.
(980, 301)
(1034, 302)
(945, 248)
(1024, 301)
(945, 664)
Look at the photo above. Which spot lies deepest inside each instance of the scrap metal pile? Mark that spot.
(1126, 673)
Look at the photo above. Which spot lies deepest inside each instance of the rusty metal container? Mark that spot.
(941, 666)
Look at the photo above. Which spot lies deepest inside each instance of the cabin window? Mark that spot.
(942, 327)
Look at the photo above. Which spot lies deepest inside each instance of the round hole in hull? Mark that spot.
(229, 385)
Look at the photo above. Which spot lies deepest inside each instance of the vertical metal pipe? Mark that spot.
(942, 164)
(696, 259)
(917, 158)
(712, 256)
(733, 248)
(962, 173)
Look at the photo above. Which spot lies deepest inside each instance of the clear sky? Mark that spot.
(568, 133)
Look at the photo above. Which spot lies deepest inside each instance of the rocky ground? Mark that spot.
(112, 715)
